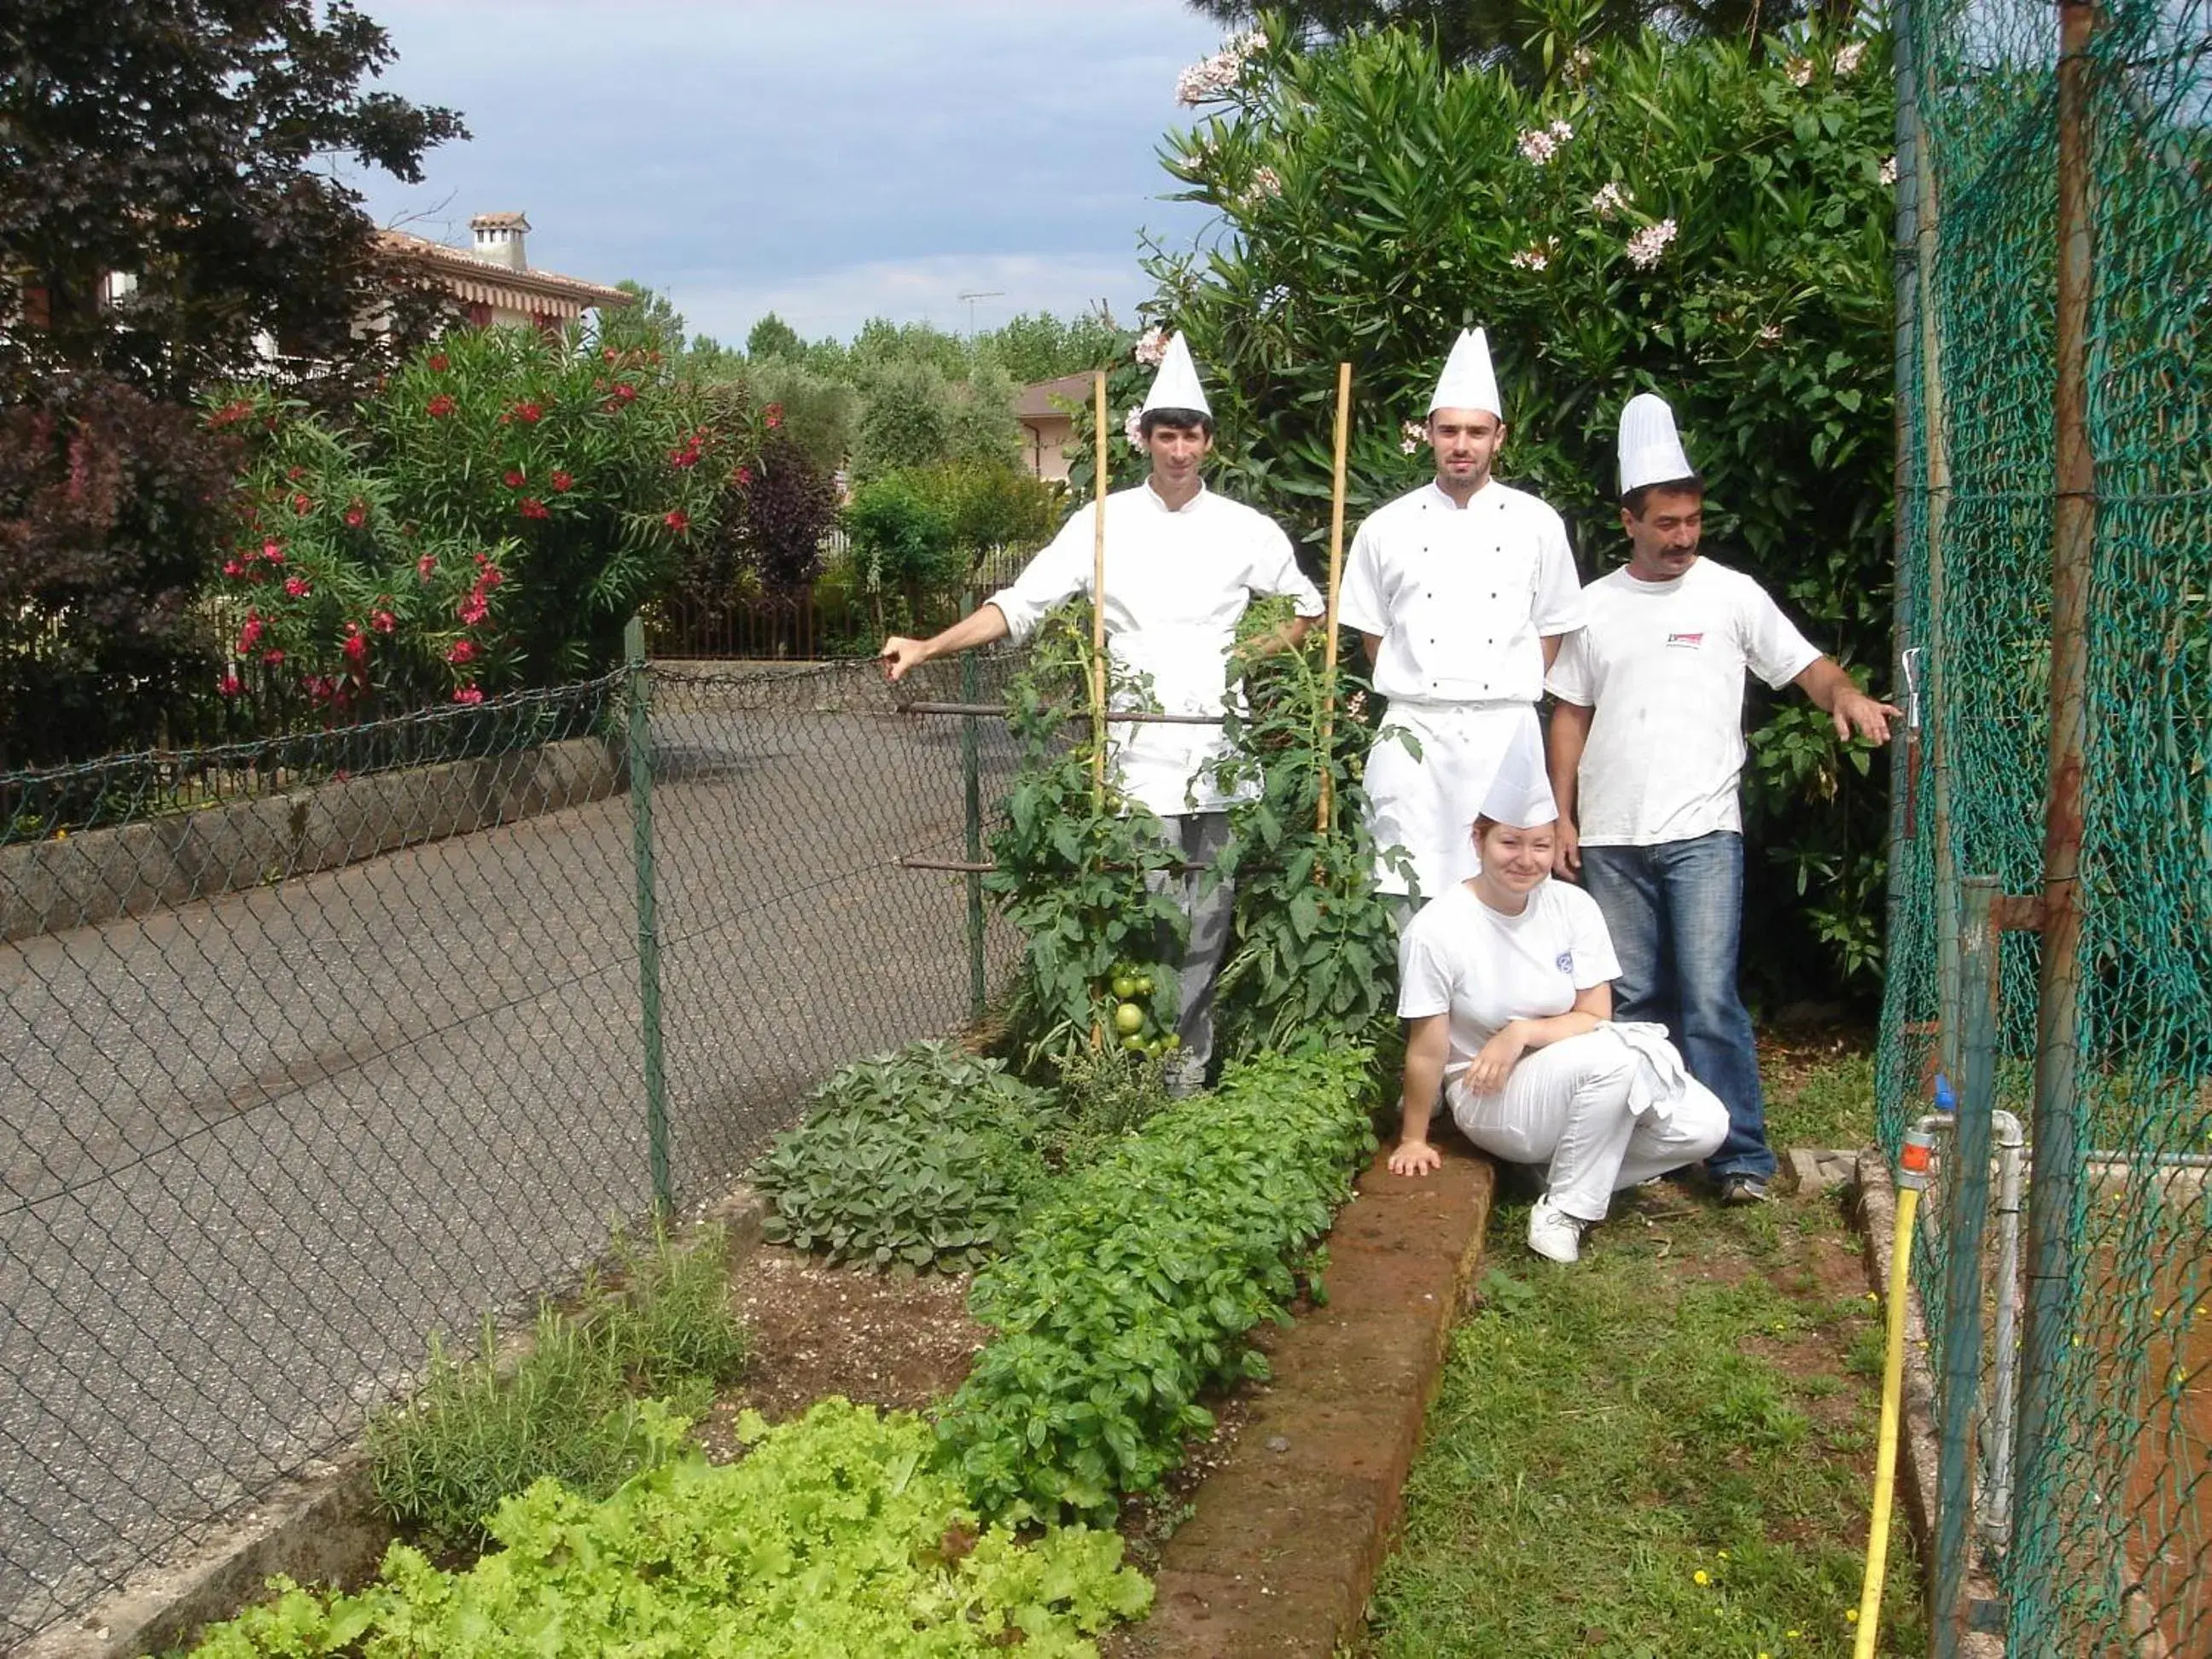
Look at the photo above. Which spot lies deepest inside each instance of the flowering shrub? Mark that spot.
(1654, 212)
(508, 500)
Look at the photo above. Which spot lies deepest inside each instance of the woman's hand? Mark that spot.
(1487, 1071)
(1415, 1158)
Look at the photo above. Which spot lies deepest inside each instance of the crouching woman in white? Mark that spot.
(1506, 979)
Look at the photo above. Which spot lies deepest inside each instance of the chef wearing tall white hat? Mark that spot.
(1646, 752)
(1182, 563)
(1505, 982)
(1461, 592)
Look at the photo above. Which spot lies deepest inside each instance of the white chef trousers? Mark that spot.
(1428, 806)
(1565, 1106)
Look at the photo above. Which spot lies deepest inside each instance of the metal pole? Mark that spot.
(2055, 1136)
(1905, 757)
(1966, 1193)
(971, 786)
(2004, 1336)
(648, 921)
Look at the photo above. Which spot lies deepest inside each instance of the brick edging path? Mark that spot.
(1290, 1529)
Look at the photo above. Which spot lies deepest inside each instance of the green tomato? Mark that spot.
(1173, 1040)
(1127, 986)
(1157, 1046)
(1128, 1018)
(1135, 1045)
(1144, 985)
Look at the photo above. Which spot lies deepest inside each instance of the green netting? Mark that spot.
(2110, 1543)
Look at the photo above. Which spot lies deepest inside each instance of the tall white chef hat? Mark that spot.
(1650, 450)
(1468, 381)
(1521, 793)
(1175, 385)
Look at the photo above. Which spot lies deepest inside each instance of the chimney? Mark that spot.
(499, 239)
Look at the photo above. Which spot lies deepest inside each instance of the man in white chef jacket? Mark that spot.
(1182, 565)
(1646, 750)
(1461, 592)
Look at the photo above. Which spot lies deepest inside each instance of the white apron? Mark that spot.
(1172, 768)
(1428, 806)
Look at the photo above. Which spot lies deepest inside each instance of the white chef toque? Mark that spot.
(1468, 381)
(1650, 450)
(1175, 385)
(1521, 793)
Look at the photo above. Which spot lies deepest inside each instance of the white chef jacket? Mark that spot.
(1486, 969)
(1177, 582)
(1663, 664)
(1461, 598)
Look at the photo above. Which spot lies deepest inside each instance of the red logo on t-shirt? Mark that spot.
(1690, 641)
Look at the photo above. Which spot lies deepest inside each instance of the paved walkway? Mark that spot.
(252, 1150)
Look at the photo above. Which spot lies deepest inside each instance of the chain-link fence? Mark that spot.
(2055, 510)
(310, 1046)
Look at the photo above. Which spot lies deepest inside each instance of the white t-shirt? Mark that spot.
(1177, 582)
(1663, 664)
(1484, 969)
(1461, 596)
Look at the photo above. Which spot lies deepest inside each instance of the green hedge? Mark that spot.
(1130, 1289)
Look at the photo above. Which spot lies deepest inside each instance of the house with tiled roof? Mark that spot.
(493, 281)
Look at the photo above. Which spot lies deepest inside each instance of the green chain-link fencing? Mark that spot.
(2055, 518)
(309, 1047)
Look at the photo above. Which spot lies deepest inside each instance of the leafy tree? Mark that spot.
(821, 412)
(1043, 347)
(182, 143)
(772, 336)
(901, 537)
(1677, 214)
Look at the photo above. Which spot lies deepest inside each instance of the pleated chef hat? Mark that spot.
(1650, 451)
(1176, 386)
(1467, 381)
(1521, 794)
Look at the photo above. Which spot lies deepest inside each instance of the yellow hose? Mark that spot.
(1885, 1454)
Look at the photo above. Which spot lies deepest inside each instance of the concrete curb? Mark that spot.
(1290, 1531)
(50, 886)
(1917, 1439)
(320, 1529)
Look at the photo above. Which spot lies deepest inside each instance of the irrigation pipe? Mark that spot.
(1911, 1180)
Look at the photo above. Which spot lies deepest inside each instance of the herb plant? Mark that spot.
(834, 1536)
(926, 1157)
(1132, 1286)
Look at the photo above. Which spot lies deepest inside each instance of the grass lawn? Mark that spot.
(1666, 1449)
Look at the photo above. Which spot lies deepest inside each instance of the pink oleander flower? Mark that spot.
(1648, 243)
(1847, 59)
(529, 414)
(678, 521)
(461, 651)
(473, 610)
(250, 635)
(273, 551)
(1266, 183)
(356, 515)
(1534, 259)
(772, 416)
(1537, 146)
(297, 586)
(1133, 428)
(1412, 436)
(426, 566)
(232, 568)
(513, 478)
(564, 482)
(229, 685)
(1151, 347)
(1609, 200)
(356, 647)
(531, 507)
(1888, 172)
(468, 694)
(382, 620)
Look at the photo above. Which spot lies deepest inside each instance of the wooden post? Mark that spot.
(1098, 600)
(1335, 580)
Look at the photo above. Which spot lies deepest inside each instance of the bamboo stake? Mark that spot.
(1335, 580)
(1098, 601)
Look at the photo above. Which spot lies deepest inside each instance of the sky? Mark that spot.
(827, 159)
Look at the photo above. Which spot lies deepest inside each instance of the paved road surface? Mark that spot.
(251, 1151)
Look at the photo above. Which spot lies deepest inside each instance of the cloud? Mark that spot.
(724, 152)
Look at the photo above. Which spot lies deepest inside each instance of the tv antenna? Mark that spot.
(974, 295)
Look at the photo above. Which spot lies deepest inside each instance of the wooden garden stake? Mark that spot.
(1098, 601)
(1335, 580)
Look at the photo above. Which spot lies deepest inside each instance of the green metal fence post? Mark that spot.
(648, 921)
(971, 782)
(1966, 1193)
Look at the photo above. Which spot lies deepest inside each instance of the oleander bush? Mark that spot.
(1132, 1288)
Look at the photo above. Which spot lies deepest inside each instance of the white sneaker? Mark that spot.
(1555, 1233)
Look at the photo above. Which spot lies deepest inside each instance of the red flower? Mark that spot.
(357, 515)
(490, 578)
(607, 352)
(302, 505)
(382, 620)
(745, 476)
(440, 363)
(441, 405)
(273, 551)
(356, 646)
(688, 456)
(679, 521)
(625, 392)
(425, 565)
(529, 413)
(468, 694)
(232, 568)
(773, 416)
(462, 651)
(229, 685)
(563, 480)
(534, 508)
(272, 656)
(250, 635)
(230, 414)
(296, 586)
(515, 479)
(295, 473)
(473, 610)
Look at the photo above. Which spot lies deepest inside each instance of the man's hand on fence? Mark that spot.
(900, 655)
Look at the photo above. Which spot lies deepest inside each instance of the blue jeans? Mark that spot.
(1675, 911)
